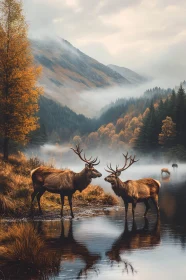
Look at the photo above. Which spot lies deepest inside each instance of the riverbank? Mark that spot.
(16, 188)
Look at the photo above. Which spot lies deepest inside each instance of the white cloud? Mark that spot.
(133, 33)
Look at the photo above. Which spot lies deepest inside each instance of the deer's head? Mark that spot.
(114, 174)
(90, 171)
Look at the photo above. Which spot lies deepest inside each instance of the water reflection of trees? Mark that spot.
(173, 209)
(130, 240)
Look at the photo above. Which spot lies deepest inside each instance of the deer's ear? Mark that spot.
(86, 166)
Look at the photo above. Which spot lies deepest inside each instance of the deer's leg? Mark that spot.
(126, 209)
(33, 195)
(155, 201)
(147, 207)
(62, 204)
(38, 199)
(133, 208)
(70, 203)
(146, 225)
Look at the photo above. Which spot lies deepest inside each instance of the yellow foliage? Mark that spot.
(77, 140)
(18, 90)
(93, 139)
(168, 131)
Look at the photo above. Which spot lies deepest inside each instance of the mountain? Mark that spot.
(68, 71)
(59, 123)
(130, 75)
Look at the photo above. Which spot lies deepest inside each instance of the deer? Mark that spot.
(165, 170)
(63, 182)
(133, 191)
(174, 166)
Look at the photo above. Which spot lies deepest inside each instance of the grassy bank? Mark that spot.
(16, 189)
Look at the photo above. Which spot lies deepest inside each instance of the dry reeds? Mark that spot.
(95, 194)
(25, 253)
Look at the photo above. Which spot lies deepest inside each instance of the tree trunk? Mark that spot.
(6, 149)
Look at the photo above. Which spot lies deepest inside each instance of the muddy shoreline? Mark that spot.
(79, 212)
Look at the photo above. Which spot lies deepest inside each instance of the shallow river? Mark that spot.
(107, 248)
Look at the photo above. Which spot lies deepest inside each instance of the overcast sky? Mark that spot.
(148, 36)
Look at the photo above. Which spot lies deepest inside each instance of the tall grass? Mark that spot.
(95, 195)
(25, 254)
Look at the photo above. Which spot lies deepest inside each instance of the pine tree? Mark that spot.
(18, 91)
(148, 136)
(180, 115)
(172, 106)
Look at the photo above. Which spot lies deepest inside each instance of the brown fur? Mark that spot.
(134, 191)
(165, 170)
(63, 182)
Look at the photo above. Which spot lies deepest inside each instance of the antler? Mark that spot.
(111, 170)
(119, 170)
(78, 152)
(132, 160)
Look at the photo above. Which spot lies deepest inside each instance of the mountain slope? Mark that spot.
(66, 70)
(130, 75)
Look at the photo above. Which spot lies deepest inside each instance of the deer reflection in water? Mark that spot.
(66, 246)
(134, 239)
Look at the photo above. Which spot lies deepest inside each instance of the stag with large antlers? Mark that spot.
(63, 182)
(133, 191)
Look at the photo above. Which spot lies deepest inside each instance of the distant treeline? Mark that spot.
(59, 124)
(154, 123)
(165, 126)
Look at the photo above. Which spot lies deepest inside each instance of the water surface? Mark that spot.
(107, 247)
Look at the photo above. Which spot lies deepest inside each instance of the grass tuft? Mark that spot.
(6, 205)
(24, 252)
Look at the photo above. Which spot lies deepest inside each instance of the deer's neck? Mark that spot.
(118, 187)
(82, 180)
(119, 183)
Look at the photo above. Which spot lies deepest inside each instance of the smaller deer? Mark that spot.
(175, 166)
(133, 191)
(165, 170)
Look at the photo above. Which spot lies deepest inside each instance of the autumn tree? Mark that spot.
(168, 132)
(18, 75)
(93, 139)
(77, 140)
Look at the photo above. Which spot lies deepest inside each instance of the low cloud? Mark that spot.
(146, 36)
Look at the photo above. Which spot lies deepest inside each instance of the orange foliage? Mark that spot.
(18, 90)
(168, 131)
(93, 139)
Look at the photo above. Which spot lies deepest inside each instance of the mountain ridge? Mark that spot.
(68, 71)
(133, 77)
